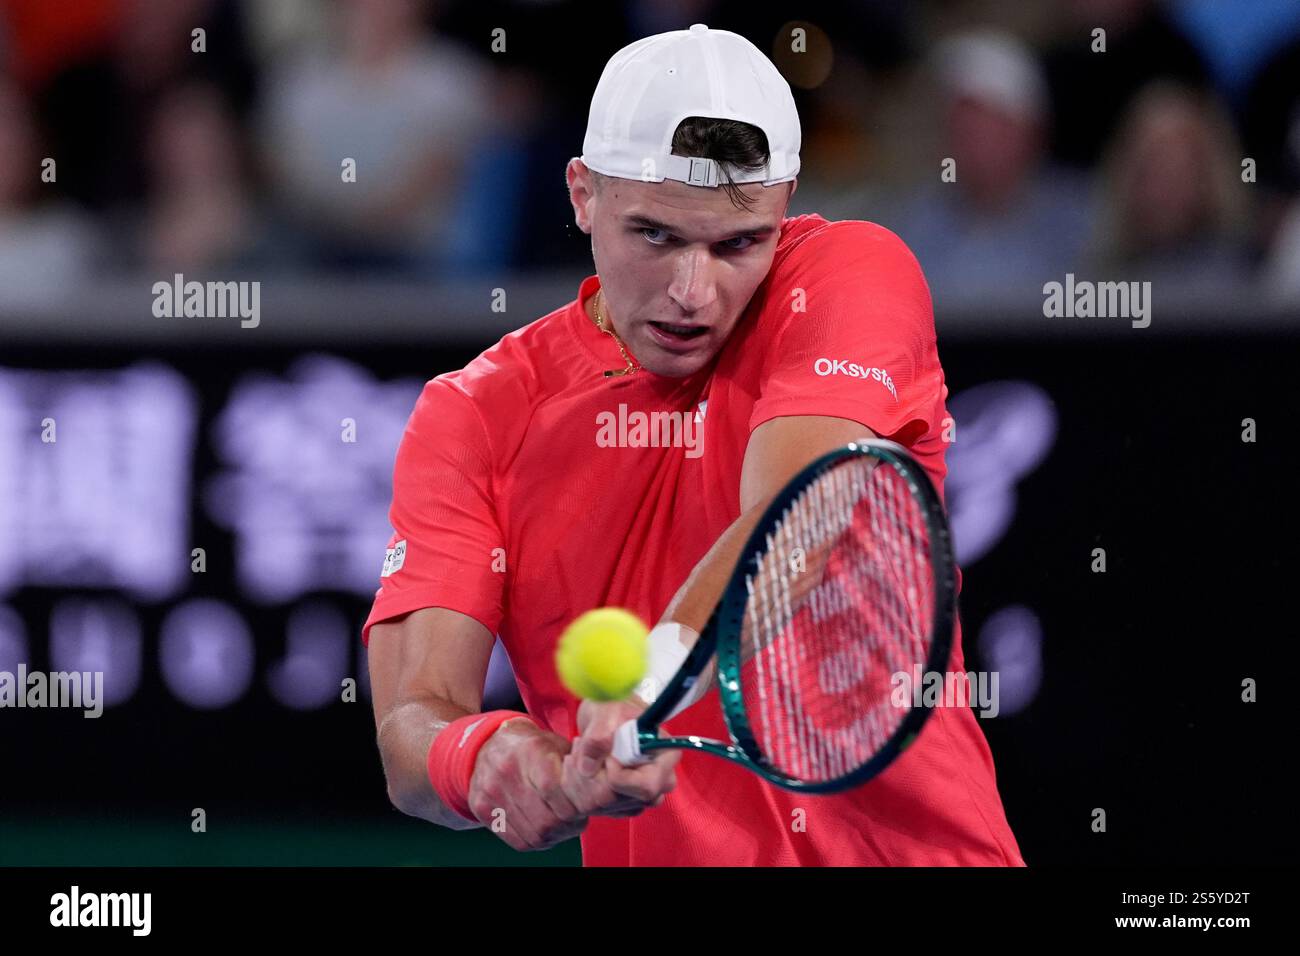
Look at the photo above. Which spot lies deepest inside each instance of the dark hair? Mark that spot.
(735, 145)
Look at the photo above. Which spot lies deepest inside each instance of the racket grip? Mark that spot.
(627, 745)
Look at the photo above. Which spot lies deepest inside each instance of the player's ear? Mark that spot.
(582, 189)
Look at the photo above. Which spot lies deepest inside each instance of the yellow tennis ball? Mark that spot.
(603, 654)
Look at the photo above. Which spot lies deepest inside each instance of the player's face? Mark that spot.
(678, 263)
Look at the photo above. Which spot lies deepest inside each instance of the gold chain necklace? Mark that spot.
(600, 324)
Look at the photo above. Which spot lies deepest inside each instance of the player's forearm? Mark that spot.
(695, 600)
(691, 607)
(405, 737)
(777, 450)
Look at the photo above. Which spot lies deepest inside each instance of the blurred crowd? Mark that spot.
(427, 138)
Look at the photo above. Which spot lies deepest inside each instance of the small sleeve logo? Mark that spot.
(826, 366)
(394, 558)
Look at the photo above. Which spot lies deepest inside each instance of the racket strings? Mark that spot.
(839, 602)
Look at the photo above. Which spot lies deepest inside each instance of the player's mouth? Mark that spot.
(676, 337)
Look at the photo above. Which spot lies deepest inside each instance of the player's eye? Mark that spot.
(731, 245)
(654, 236)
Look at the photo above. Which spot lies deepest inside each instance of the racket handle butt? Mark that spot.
(627, 745)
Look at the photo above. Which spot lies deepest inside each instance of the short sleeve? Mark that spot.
(857, 339)
(446, 541)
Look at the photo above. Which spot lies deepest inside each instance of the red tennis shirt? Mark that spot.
(527, 490)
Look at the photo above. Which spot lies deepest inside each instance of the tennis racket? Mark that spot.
(847, 580)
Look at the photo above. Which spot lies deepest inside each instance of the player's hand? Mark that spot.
(591, 761)
(519, 789)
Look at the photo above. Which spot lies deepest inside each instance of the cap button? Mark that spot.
(699, 28)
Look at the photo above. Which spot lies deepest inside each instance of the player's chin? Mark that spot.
(677, 366)
(673, 363)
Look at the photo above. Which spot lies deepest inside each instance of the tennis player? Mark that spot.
(617, 451)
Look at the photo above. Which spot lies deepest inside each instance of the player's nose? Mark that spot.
(693, 287)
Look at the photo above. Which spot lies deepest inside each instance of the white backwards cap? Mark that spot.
(650, 86)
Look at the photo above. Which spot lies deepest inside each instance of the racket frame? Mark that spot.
(728, 619)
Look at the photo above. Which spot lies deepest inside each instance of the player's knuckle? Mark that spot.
(482, 804)
(546, 775)
(490, 792)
